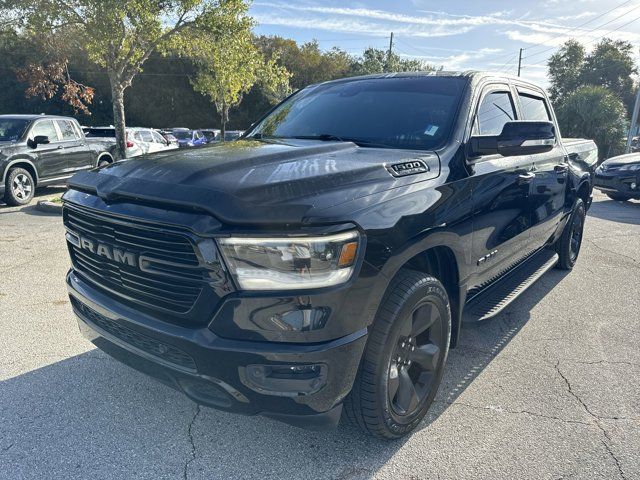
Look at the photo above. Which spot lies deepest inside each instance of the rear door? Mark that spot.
(551, 172)
(501, 188)
(50, 159)
(75, 148)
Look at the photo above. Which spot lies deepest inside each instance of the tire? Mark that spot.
(568, 245)
(19, 187)
(413, 300)
(618, 197)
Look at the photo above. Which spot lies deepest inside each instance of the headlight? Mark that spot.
(291, 263)
(630, 167)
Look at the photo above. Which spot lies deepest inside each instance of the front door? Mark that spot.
(501, 190)
(50, 159)
(551, 173)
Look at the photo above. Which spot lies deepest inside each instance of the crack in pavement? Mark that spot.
(520, 412)
(192, 453)
(597, 419)
(634, 264)
(608, 362)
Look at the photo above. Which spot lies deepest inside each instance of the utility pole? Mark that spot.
(634, 123)
(520, 62)
(389, 53)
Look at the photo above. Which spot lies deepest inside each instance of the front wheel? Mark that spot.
(569, 244)
(19, 187)
(404, 359)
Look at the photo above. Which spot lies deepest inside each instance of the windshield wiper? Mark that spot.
(327, 137)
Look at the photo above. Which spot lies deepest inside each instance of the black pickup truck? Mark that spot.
(321, 266)
(40, 150)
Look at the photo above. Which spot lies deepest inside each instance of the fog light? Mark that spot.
(285, 380)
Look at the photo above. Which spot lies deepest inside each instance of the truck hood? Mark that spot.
(254, 182)
(622, 159)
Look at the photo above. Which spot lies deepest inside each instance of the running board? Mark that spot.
(498, 296)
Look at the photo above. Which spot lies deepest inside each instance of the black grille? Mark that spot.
(147, 344)
(170, 279)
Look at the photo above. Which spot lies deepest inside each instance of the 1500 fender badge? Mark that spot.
(407, 168)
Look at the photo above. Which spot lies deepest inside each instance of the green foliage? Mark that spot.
(564, 70)
(610, 65)
(374, 60)
(597, 113)
(228, 70)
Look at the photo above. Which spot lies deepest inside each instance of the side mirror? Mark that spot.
(517, 138)
(38, 140)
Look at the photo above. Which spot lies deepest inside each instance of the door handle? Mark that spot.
(526, 178)
(561, 168)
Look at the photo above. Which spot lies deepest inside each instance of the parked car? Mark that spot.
(619, 177)
(139, 141)
(212, 135)
(326, 268)
(231, 135)
(171, 140)
(40, 150)
(189, 138)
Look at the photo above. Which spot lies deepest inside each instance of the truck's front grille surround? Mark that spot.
(172, 279)
(162, 350)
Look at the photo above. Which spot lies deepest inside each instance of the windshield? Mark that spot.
(12, 129)
(411, 113)
(183, 135)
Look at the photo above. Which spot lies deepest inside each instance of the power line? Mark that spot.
(578, 26)
(588, 31)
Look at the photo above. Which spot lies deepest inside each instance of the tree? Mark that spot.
(374, 60)
(227, 70)
(306, 63)
(565, 70)
(609, 65)
(120, 35)
(594, 112)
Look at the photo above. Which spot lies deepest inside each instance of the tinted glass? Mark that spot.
(415, 112)
(67, 130)
(533, 108)
(100, 132)
(11, 129)
(182, 134)
(45, 127)
(495, 110)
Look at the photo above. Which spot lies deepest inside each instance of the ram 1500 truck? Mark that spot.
(39, 150)
(321, 266)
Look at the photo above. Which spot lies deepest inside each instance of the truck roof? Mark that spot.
(33, 116)
(470, 74)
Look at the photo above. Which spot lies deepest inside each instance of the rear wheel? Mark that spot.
(404, 359)
(19, 187)
(569, 244)
(618, 197)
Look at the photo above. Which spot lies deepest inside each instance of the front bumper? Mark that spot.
(618, 182)
(210, 369)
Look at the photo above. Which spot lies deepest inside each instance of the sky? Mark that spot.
(466, 34)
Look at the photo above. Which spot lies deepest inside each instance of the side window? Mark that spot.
(137, 136)
(67, 130)
(146, 136)
(45, 127)
(533, 108)
(495, 110)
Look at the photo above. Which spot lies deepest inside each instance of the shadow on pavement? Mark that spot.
(89, 416)
(623, 212)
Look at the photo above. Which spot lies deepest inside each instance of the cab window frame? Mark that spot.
(30, 135)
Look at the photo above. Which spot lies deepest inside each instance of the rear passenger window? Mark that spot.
(495, 110)
(533, 108)
(146, 136)
(67, 130)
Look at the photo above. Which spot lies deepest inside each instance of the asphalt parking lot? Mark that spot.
(547, 390)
